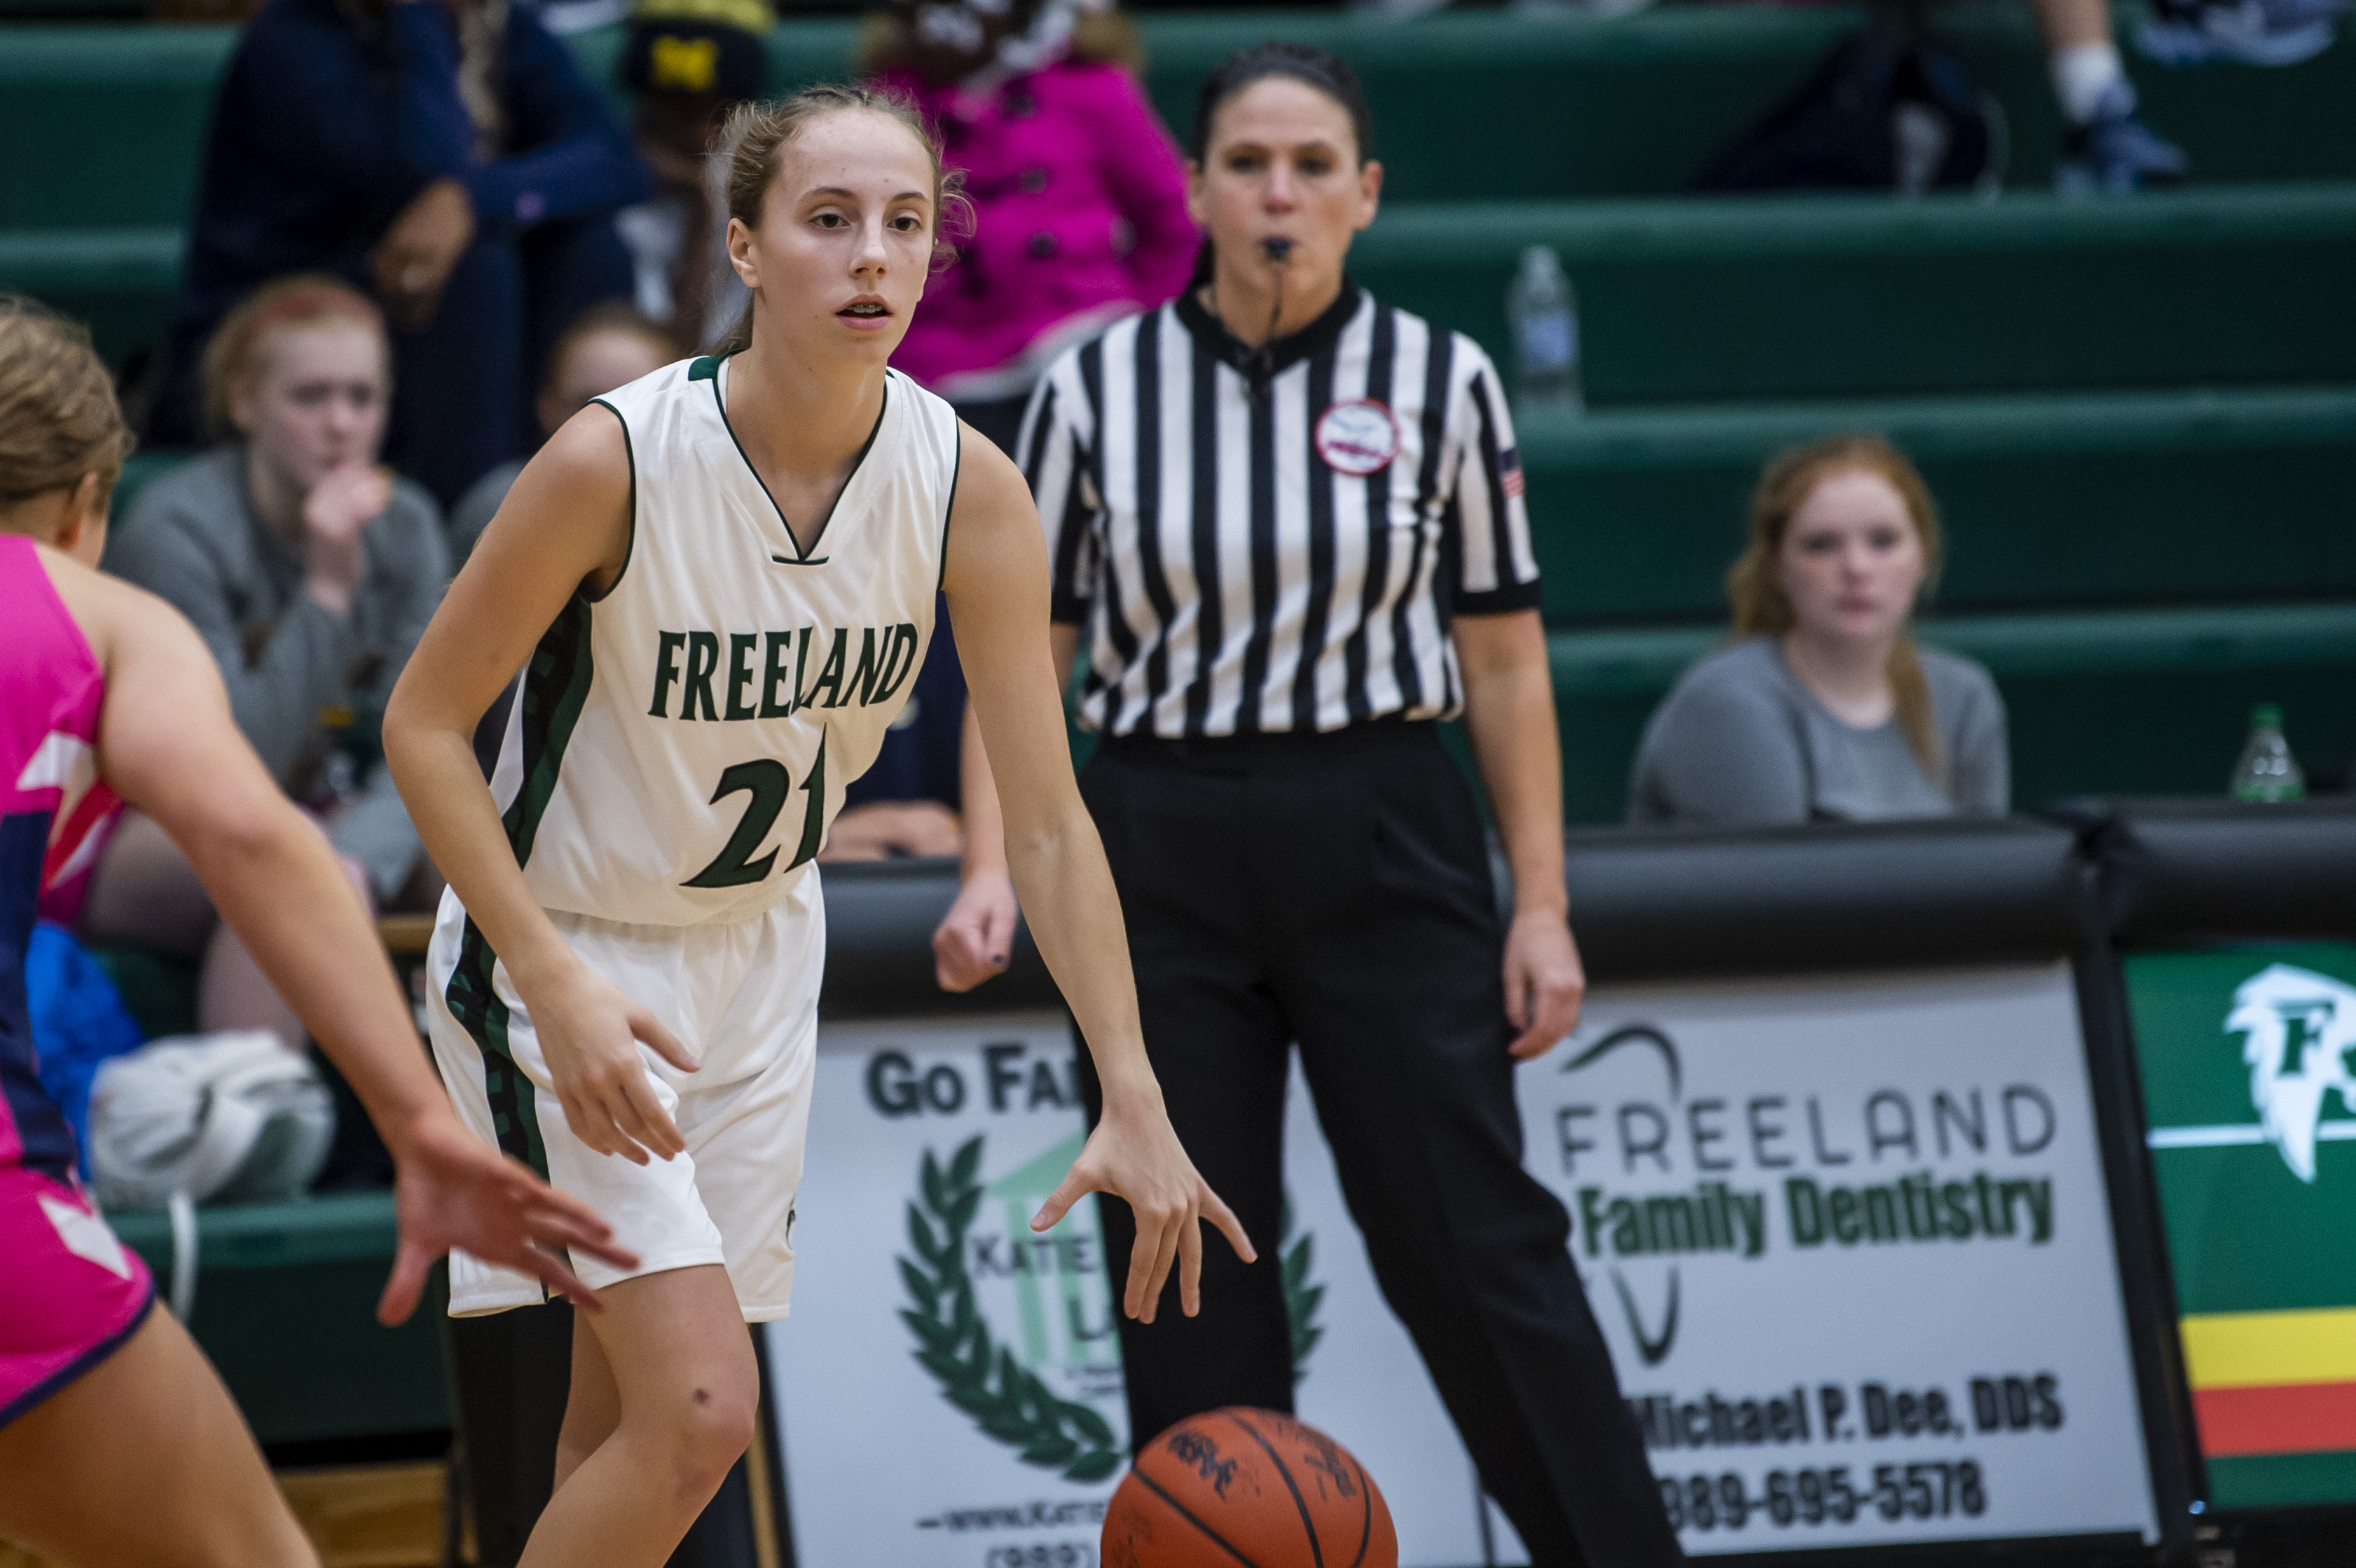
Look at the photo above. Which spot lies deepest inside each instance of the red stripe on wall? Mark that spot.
(2291, 1418)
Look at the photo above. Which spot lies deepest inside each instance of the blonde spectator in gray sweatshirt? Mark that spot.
(1824, 708)
(310, 571)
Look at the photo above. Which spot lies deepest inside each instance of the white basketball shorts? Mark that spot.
(742, 999)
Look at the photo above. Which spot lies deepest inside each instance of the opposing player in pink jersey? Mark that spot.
(118, 1443)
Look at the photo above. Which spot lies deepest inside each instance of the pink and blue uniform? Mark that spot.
(71, 1293)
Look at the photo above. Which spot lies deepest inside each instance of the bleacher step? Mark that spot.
(1835, 296)
(1648, 660)
(2137, 702)
(118, 281)
(2054, 499)
(2058, 502)
(1497, 104)
(1795, 296)
(330, 1371)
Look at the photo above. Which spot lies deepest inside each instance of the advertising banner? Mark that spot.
(1847, 1240)
(2251, 1098)
(1850, 1243)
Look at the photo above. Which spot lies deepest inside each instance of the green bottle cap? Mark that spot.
(2266, 715)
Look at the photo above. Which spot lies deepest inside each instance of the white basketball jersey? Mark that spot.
(679, 746)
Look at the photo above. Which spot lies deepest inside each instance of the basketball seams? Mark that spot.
(1191, 1518)
(1308, 1523)
(1366, 1508)
(1207, 1463)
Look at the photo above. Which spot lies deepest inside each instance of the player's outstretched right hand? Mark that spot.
(451, 1191)
(1134, 1155)
(589, 1032)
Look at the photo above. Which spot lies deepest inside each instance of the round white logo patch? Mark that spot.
(1359, 437)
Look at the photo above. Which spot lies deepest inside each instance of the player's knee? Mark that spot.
(711, 1426)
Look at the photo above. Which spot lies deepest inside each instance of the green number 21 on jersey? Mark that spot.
(766, 781)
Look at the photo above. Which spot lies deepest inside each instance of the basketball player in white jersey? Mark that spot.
(719, 582)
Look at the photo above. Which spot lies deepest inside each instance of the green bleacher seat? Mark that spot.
(1477, 105)
(2056, 500)
(104, 124)
(1816, 296)
(1790, 297)
(143, 467)
(286, 1307)
(2137, 702)
(2051, 499)
(1835, 296)
(119, 281)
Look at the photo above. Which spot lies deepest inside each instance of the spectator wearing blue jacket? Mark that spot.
(445, 156)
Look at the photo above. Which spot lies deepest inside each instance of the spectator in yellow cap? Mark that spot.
(690, 61)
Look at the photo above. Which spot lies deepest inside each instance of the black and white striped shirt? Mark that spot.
(1288, 558)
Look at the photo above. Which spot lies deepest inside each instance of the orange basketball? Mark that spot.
(1247, 1488)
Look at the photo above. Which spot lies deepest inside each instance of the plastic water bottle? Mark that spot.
(2267, 771)
(1544, 317)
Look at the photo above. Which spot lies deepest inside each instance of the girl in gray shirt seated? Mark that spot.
(309, 571)
(1824, 708)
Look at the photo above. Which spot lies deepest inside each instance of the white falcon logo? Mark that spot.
(2297, 1028)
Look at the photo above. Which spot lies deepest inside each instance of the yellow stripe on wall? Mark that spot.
(2253, 1349)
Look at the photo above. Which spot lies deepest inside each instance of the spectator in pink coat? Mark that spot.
(1079, 194)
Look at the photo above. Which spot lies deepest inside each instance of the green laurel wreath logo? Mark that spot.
(1300, 1297)
(978, 1375)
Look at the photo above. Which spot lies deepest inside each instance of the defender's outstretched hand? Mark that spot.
(453, 1191)
(1134, 1155)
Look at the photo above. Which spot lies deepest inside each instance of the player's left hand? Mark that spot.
(452, 1190)
(1544, 982)
(1134, 1155)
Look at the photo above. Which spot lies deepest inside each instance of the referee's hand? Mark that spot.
(1544, 982)
(976, 938)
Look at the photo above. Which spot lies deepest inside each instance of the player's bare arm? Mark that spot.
(168, 745)
(564, 527)
(1510, 717)
(976, 938)
(996, 579)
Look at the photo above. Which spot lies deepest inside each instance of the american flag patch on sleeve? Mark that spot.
(1509, 469)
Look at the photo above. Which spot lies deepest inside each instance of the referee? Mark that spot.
(1289, 519)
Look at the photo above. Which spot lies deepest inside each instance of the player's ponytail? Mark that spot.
(755, 135)
(58, 419)
(1760, 606)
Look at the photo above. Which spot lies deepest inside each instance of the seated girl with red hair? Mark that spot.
(309, 570)
(1823, 708)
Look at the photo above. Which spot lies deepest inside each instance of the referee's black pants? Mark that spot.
(1334, 891)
